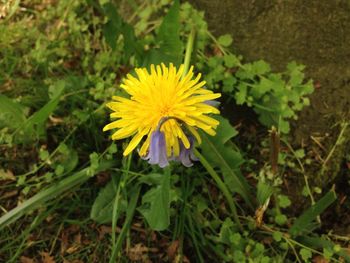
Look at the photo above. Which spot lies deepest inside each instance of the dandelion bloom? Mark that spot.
(163, 113)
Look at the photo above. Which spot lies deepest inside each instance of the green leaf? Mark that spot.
(11, 113)
(280, 219)
(49, 193)
(216, 150)
(102, 209)
(168, 37)
(264, 191)
(225, 40)
(260, 67)
(241, 94)
(37, 121)
(113, 27)
(300, 153)
(283, 201)
(277, 236)
(227, 229)
(231, 61)
(156, 203)
(327, 246)
(304, 222)
(306, 254)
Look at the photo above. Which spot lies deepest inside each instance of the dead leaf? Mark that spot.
(24, 259)
(319, 259)
(55, 120)
(73, 248)
(172, 249)
(7, 175)
(9, 194)
(74, 261)
(139, 252)
(136, 253)
(103, 230)
(46, 258)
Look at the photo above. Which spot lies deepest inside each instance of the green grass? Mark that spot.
(67, 192)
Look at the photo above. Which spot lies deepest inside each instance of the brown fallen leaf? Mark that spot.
(24, 259)
(139, 252)
(319, 259)
(9, 194)
(103, 230)
(172, 249)
(46, 258)
(7, 175)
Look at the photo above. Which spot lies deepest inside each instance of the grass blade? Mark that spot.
(49, 193)
(305, 221)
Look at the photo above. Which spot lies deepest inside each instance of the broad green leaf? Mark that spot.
(116, 27)
(304, 222)
(102, 209)
(168, 37)
(156, 203)
(11, 113)
(113, 27)
(219, 153)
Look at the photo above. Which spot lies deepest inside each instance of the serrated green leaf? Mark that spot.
(241, 94)
(304, 222)
(112, 29)
(231, 61)
(226, 230)
(156, 203)
(168, 38)
(261, 67)
(218, 154)
(102, 209)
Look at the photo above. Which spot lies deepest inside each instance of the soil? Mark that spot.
(311, 32)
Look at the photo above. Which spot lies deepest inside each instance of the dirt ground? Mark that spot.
(315, 33)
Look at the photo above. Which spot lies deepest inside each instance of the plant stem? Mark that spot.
(222, 186)
(189, 49)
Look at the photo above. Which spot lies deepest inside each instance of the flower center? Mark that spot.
(165, 111)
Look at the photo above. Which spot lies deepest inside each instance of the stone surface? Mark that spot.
(315, 33)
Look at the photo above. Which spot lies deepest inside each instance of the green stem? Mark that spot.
(221, 186)
(189, 49)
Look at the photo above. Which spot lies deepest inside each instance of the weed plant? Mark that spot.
(67, 193)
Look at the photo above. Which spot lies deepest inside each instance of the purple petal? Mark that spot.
(186, 156)
(157, 150)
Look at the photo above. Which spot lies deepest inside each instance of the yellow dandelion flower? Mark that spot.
(166, 109)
